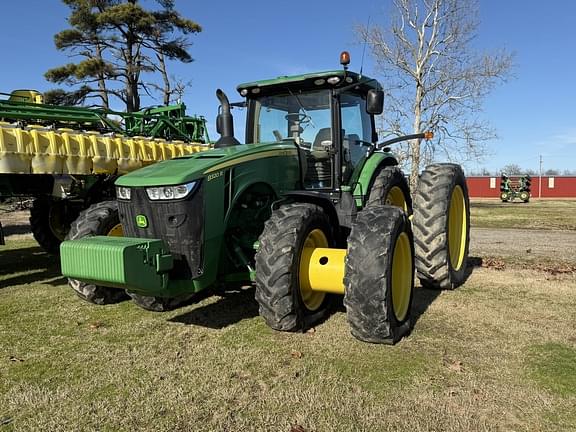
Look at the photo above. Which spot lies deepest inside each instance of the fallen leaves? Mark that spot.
(557, 269)
(455, 365)
(296, 354)
(95, 325)
(493, 263)
(551, 269)
(451, 364)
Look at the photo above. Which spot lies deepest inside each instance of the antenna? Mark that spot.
(365, 43)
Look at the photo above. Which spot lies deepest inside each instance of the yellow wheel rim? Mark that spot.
(311, 299)
(395, 197)
(55, 223)
(401, 276)
(457, 228)
(116, 231)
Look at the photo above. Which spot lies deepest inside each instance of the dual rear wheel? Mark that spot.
(381, 257)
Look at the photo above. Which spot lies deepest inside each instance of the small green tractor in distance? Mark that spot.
(311, 208)
(512, 188)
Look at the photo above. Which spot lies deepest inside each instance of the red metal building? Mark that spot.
(552, 187)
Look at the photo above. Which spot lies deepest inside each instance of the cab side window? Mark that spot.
(357, 127)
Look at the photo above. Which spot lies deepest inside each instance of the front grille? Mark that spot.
(179, 223)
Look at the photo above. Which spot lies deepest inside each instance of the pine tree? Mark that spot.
(119, 43)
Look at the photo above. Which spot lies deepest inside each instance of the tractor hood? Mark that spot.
(197, 165)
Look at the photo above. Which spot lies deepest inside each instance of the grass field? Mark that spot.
(537, 214)
(497, 354)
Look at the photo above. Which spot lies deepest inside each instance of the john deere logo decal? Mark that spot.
(141, 221)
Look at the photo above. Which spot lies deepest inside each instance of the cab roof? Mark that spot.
(346, 77)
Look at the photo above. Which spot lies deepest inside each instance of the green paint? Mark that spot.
(141, 221)
(363, 175)
(121, 262)
(239, 185)
(193, 167)
(299, 79)
(168, 122)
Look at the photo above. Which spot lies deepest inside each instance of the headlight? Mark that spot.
(123, 192)
(170, 192)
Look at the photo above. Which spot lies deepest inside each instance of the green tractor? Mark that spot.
(515, 187)
(312, 208)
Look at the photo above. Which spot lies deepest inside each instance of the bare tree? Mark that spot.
(512, 169)
(433, 78)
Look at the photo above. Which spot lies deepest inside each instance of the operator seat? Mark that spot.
(319, 160)
(352, 152)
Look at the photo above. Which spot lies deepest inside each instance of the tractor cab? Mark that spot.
(329, 116)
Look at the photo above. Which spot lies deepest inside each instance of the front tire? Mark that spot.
(441, 226)
(100, 219)
(284, 302)
(391, 187)
(379, 275)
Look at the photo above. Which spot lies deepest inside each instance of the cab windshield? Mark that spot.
(303, 117)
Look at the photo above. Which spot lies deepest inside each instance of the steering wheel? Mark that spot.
(298, 117)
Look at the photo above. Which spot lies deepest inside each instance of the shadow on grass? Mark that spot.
(38, 266)
(424, 297)
(15, 229)
(233, 306)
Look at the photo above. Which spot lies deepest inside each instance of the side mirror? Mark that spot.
(375, 102)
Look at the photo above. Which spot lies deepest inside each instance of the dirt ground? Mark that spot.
(558, 246)
(15, 224)
(548, 245)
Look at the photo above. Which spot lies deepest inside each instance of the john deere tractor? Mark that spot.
(311, 207)
(515, 187)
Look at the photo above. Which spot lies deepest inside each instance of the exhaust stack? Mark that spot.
(225, 122)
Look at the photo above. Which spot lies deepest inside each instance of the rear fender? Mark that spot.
(319, 199)
(369, 170)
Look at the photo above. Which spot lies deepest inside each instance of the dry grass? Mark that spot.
(494, 355)
(537, 214)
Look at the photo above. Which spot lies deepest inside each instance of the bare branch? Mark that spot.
(434, 79)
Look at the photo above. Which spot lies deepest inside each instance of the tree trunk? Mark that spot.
(167, 90)
(102, 81)
(415, 144)
(131, 85)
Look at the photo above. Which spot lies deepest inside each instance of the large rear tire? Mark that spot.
(390, 187)
(379, 275)
(100, 219)
(441, 226)
(50, 222)
(285, 303)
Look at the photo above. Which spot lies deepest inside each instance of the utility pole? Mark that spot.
(540, 180)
